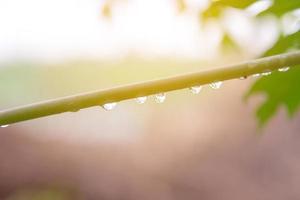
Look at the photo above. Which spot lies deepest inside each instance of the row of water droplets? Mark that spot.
(267, 73)
(218, 84)
(161, 97)
(214, 85)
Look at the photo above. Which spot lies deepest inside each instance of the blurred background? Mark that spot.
(219, 144)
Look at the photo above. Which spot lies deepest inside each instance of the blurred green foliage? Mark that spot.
(40, 194)
(217, 7)
(281, 7)
(228, 44)
(280, 88)
(285, 44)
(181, 5)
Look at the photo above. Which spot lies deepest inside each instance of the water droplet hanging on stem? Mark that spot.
(256, 75)
(196, 89)
(109, 106)
(284, 69)
(266, 73)
(216, 85)
(160, 98)
(141, 100)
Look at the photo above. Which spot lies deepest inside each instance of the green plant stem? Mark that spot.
(116, 94)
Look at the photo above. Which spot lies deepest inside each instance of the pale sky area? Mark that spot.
(68, 29)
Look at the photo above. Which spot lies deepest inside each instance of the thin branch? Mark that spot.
(116, 94)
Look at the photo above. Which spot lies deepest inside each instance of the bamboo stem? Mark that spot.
(116, 94)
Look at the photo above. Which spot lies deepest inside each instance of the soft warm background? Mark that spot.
(205, 146)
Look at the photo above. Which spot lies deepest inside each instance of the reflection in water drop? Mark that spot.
(160, 98)
(196, 89)
(284, 69)
(4, 126)
(109, 106)
(267, 73)
(243, 77)
(141, 100)
(256, 75)
(216, 85)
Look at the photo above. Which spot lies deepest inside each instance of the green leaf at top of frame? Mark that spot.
(285, 43)
(216, 7)
(281, 7)
(236, 3)
(278, 7)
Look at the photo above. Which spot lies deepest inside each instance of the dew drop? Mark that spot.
(196, 89)
(266, 73)
(256, 75)
(160, 98)
(141, 100)
(284, 69)
(243, 77)
(109, 106)
(216, 85)
(4, 126)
